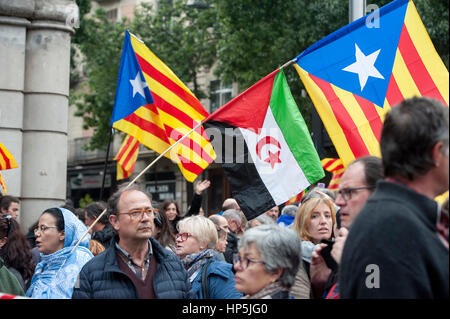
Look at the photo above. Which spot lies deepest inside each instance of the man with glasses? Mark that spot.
(234, 225)
(135, 265)
(393, 249)
(357, 184)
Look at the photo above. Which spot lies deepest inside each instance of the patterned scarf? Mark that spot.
(267, 291)
(195, 261)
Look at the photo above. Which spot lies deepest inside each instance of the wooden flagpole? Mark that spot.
(135, 179)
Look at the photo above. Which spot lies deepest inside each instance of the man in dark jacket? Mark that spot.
(135, 265)
(393, 249)
(234, 224)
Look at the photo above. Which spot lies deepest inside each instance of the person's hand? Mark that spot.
(338, 246)
(318, 271)
(201, 186)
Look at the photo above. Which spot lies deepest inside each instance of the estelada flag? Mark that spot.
(126, 157)
(3, 185)
(7, 161)
(157, 109)
(272, 157)
(356, 74)
(335, 166)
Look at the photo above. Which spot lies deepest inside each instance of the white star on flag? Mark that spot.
(138, 85)
(364, 66)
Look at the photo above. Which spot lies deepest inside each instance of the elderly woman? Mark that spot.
(314, 221)
(57, 232)
(209, 277)
(267, 262)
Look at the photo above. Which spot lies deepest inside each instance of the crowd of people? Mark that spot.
(380, 235)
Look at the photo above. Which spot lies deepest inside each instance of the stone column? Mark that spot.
(13, 27)
(12, 64)
(34, 89)
(47, 73)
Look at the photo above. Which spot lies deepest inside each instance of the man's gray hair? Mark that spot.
(264, 220)
(232, 214)
(290, 210)
(279, 248)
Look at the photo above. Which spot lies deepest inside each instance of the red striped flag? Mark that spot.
(297, 198)
(355, 75)
(335, 166)
(126, 157)
(157, 109)
(7, 161)
(2, 184)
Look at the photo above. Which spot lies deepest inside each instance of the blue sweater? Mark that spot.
(101, 277)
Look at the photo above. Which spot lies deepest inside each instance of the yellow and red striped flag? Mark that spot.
(297, 198)
(157, 109)
(335, 166)
(126, 157)
(2, 184)
(356, 74)
(7, 161)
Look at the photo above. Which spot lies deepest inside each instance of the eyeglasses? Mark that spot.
(346, 193)
(244, 261)
(138, 214)
(42, 229)
(183, 236)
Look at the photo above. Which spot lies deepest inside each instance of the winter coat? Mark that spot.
(8, 282)
(101, 278)
(393, 249)
(220, 282)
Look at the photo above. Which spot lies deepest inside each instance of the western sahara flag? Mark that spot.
(264, 146)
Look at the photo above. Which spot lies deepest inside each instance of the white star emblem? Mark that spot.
(364, 66)
(138, 85)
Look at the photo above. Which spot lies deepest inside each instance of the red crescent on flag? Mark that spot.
(273, 157)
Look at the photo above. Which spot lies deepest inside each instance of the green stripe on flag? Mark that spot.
(294, 129)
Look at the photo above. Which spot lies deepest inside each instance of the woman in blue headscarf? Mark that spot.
(57, 233)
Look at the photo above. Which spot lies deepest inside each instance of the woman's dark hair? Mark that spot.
(55, 212)
(166, 204)
(166, 236)
(16, 253)
(94, 210)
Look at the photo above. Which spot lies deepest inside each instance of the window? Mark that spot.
(112, 15)
(220, 94)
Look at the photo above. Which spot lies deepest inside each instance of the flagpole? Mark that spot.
(134, 180)
(106, 163)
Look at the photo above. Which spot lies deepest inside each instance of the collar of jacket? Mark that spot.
(111, 264)
(423, 207)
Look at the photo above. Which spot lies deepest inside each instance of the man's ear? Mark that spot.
(114, 221)
(437, 152)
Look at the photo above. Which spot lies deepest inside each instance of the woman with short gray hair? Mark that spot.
(267, 262)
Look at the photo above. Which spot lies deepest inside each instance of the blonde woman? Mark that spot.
(314, 221)
(196, 239)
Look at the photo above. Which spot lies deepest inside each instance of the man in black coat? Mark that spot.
(135, 265)
(394, 249)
